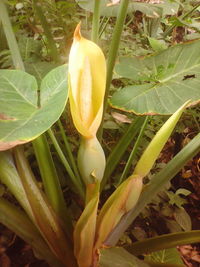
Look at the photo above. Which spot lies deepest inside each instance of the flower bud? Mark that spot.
(91, 160)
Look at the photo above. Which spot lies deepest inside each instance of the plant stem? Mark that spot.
(120, 148)
(95, 21)
(104, 27)
(50, 41)
(133, 152)
(75, 181)
(69, 151)
(12, 43)
(50, 179)
(114, 46)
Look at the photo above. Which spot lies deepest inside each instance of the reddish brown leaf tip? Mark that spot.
(77, 32)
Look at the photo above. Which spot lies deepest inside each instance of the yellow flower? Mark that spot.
(87, 79)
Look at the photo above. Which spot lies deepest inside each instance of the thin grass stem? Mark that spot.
(69, 151)
(104, 27)
(50, 41)
(12, 42)
(50, 179)
(114, 46)
(133, 152)
(77, 183)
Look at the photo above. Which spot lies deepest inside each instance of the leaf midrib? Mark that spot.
(17, 90)
(154, 86)
(179, 73)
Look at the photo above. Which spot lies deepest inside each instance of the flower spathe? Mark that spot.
(87, 80)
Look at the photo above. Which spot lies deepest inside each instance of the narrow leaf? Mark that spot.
(48, 223)
(156, 184)
(16, 220)
(120, 148)
(153, 150)
(84, 232)
(10, 177)
(164, 242)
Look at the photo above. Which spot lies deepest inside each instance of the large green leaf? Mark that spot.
(167, 7)
(117, 256)
(39, 69)
(170, 255)
(25, 113)
(163, 82)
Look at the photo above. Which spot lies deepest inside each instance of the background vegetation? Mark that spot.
(44, 31)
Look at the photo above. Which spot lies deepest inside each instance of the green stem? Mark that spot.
(120, 148)
(164, 242)
(95, 21)
(46, 27)
(63, 159)
(156, 184)
(16, 220)
(104, 27)
(69, 151)
(50, 179)
(195, 120)
(114, 46)
(12, 43)
(133, 152)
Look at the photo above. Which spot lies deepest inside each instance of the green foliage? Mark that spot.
(170, 256)
(119, 257)
(176, 78)
(31, 101)
(23, 111)
(153, 10)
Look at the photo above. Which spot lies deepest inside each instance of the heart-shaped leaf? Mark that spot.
(163, 82)
(26, 113)
(165, 7)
